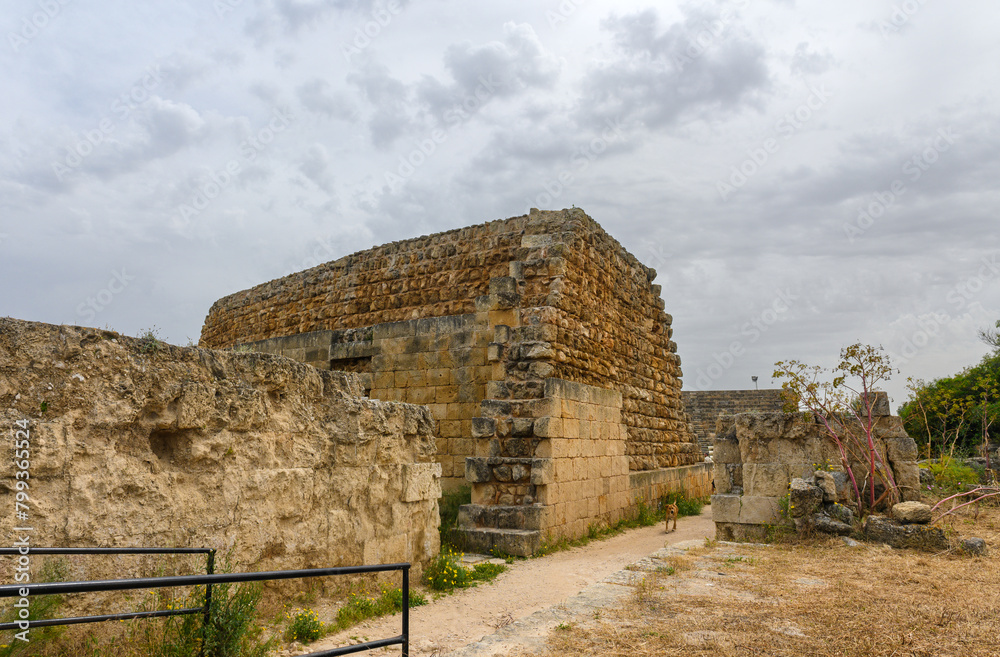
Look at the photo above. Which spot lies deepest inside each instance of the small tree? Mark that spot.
(845, 408)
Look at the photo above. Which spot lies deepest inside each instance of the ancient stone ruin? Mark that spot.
(538, 343)
(135, 443)
(760, 458)
(705, 406)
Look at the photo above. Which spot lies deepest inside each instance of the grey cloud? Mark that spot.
(499, 68)
(315, 165)
(700, 63)
(805, 62)
(389, 96)
(317, 96)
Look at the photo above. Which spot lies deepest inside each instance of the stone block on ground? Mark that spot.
(879, 529)
(974, 546)
(912, 513)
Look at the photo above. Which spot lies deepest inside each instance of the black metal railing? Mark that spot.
(207, 580)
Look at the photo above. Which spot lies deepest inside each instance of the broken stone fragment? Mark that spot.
(828, 525)
(879, 529)
(912, 513)
(805, 498)
(974, 546)
(828, 484)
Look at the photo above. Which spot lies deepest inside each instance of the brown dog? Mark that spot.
(671, 515)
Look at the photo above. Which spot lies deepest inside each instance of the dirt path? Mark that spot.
(528, 586)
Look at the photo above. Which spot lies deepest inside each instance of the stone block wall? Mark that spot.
(756, 456)
(275, 462)
(549, 468)
(705, 407)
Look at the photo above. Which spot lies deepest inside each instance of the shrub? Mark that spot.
(952, 475)
(446, 572)
(303, 625)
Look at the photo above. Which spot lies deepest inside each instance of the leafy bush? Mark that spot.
(951, 474)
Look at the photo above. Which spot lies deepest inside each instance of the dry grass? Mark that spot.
(821, 598)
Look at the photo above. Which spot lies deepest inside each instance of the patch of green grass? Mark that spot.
(487, 572)
(446, 572)
(362, 607)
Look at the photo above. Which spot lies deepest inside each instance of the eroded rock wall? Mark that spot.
(276, 463)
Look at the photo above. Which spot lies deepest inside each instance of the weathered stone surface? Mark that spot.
(765, 479)
(726, 449)
(829, 525)
(912, 513)
(805, 498)
(879, 529)
(278, 463)
(828, 483)
(726, 508)
(974, 546)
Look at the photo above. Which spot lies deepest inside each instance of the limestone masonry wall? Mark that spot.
(278, 463)
(705, 407)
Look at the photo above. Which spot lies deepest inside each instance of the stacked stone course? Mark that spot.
(705, 407)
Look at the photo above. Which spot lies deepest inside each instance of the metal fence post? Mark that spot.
(406, 611)
(210, 570)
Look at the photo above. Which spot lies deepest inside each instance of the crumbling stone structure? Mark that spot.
(538, 343)
(758, 455)
(705, 406)
(273, 463)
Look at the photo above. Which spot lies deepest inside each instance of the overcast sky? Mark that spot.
(802, 175)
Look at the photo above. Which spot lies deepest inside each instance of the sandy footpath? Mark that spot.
(456, 620)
